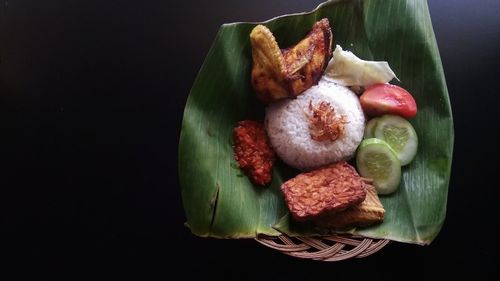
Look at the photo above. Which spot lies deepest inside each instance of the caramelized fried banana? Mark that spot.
(278, 74)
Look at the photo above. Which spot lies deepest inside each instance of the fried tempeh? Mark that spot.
(324, 191)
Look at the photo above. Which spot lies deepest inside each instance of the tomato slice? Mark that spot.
(381, 99)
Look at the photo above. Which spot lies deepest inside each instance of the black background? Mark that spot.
(91, 101)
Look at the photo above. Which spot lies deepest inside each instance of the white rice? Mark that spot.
(288, 127)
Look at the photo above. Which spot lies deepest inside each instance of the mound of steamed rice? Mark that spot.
(287, 124)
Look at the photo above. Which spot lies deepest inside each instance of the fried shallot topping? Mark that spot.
(324, 125)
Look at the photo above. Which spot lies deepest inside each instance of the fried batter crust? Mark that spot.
(278, 74)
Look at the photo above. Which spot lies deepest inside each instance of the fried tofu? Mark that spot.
(369, 212)
(325, 191)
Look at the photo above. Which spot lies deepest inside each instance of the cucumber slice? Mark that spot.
(376, 160)
(400, 135)
(370, 128)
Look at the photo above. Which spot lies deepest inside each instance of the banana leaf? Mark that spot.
(220, 201)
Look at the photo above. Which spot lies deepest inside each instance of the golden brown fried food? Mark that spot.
(370, 211)
(307, 60)
(278, 74)
(324, 191)
(253, 152)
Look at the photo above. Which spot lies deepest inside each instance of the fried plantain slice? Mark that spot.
(277, 73)
(269, 72)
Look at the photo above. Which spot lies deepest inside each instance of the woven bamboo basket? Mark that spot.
(324, 248)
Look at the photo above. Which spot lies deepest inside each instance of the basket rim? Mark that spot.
(335, 247)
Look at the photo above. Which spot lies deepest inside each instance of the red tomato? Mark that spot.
(383, 99)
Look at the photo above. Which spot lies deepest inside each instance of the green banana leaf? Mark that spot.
(220, 201)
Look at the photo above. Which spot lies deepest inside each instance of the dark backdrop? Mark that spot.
(91, 101)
